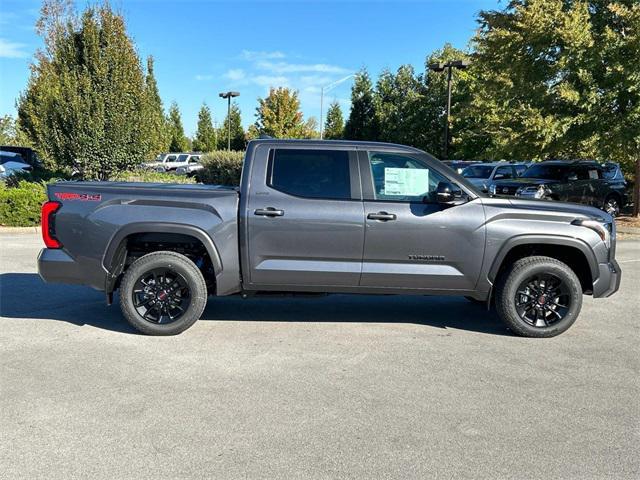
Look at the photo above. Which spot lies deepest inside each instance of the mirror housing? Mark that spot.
(446, 193)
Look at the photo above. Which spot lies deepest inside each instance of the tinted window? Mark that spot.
(546, 172)
(520, 169)
(503, 172)
(402, 178)
(589, 173)
(311, 173)
(477, 171)
(182, 158)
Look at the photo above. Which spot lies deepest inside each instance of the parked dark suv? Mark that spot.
(585, 182)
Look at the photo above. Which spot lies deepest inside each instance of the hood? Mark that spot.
(479, 182)
(571, 209)
(524, 182)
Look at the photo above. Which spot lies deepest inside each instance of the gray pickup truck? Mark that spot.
(327, 217)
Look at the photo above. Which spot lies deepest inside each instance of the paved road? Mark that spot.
(340, 387)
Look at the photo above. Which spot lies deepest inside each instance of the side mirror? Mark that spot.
(572, 177)
(446, 192)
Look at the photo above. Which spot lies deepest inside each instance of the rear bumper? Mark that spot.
(608, 281)
(56, 266)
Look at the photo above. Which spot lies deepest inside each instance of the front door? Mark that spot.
(411, 241)
(305, 220)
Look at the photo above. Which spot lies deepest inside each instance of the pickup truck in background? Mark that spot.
(327, 217)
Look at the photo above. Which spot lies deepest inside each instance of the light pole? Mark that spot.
(326, 88)
(229, 96)
(449, 66)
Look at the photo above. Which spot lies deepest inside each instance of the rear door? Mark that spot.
(411, 241)
(305, 219)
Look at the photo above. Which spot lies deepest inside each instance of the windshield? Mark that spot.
(477, 171)
(546, 172)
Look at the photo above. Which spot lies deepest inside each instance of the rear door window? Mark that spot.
(311, 173)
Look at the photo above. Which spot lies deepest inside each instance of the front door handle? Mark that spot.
(269, 212)
(382, 216)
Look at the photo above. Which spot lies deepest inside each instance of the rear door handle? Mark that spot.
(269, 212)
(383, 216)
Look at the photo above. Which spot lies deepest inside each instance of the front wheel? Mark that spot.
(539, 297)
(163, 293)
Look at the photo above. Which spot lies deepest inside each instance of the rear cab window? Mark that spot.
(310, 173)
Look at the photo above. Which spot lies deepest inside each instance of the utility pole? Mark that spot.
(449, 66)
(229, 96)
(326, 88)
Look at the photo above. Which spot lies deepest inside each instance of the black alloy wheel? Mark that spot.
(161, 296)
(542, 300)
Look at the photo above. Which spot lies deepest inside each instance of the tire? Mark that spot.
(541, 309)
(162, 293)
(612, 205)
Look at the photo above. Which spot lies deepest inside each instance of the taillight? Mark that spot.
(49, 210)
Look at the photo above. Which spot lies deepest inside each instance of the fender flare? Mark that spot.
(113, 260)
(519, 240)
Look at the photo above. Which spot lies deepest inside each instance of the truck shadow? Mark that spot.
(25, 295)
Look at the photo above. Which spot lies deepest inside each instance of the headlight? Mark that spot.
(492, 189)
(602, 229)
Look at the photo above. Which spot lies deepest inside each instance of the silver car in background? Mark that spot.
(481, 175)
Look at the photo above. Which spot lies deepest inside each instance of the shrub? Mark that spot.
(20, 205)
(221, 168)
(150, 176)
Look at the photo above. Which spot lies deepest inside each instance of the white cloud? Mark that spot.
(12, 50)
(285, 67)
(235, 74)
(201, 78)
(271, 80)
(253, 55)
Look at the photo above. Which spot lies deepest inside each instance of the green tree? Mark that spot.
(179, 142)
(238, 141)
(362, 123)
(159, 138)
(8, 131)
(278, 115)
(84, 105)
(334, 125)
(205, 139)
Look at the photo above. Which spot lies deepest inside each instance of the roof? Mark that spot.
(346, 143)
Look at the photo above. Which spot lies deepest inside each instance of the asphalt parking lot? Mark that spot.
(338, 387)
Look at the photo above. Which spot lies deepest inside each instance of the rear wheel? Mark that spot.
(163, 293)
(539, 297)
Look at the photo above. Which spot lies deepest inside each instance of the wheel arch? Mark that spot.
(115, 254)
(576, 253)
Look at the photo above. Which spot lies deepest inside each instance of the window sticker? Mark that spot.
(593, 174)
(407, 182)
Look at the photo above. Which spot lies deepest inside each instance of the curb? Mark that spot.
(628, 230)
(20, 229)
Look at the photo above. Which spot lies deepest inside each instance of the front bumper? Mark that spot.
(608, 281)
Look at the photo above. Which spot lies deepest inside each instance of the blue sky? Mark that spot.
(204, 47)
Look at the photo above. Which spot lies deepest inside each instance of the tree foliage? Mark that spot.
(205, 139)
(238, 141)
(362, 123)
(8, 131)
(279, 116)
(179, 141)
(334, 124)
(84, 105)
(158, 129)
